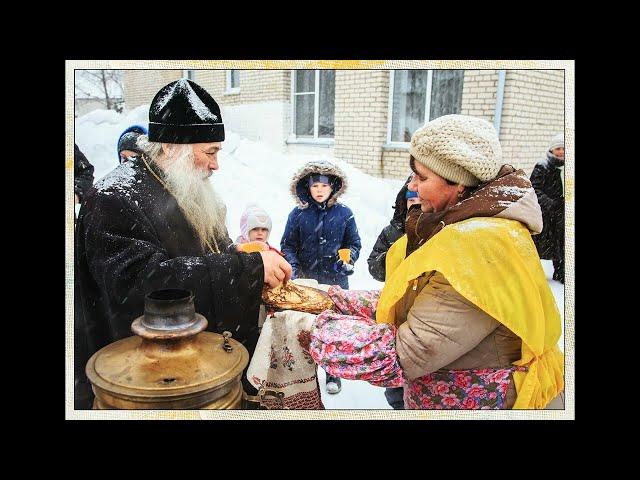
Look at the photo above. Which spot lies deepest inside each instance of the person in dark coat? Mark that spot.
(82, 181)
(391, 232)
(82, 174)
(127, 148)
(317, 228)
(547, 180)
(155, 222)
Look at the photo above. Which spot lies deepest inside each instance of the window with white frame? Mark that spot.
(233, 81)
(418, 96)
(313, 103)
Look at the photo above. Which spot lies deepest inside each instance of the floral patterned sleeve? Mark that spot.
(362, 303)
(356, 348)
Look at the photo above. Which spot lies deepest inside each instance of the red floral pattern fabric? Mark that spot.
(350, 344)
(480, 389)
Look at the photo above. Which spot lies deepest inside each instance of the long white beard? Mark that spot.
(201, 205)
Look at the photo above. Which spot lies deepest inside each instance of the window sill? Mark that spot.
(232, 91)
(396, 146)
(310, 141)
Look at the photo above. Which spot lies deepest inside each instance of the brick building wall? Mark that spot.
(361, 118)
(140, 86)
(479, 93)
(396, 163)
(256, 86)
(533, 112)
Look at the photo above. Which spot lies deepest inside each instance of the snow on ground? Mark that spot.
(252, 172)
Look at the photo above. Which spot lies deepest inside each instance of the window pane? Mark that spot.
(327, 103)
(304, 115)
(235, 78)
(446, 92)
(409, 98)
(305, 81)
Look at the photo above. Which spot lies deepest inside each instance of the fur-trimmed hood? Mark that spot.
(299, 187)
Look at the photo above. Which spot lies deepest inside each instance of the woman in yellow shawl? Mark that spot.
(466, 319)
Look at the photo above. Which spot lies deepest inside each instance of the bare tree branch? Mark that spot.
(94, 74)
(100, 84)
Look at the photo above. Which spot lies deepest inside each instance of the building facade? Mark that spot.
(367, 117)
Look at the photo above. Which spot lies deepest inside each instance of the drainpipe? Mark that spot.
(497, 117)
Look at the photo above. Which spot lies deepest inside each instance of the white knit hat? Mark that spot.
(557, 141)
(254, 217)
(459, 148)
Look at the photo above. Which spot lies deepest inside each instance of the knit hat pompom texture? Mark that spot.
(459, 148)
(183, 112)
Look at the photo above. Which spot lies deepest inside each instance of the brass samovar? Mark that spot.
(171, 363)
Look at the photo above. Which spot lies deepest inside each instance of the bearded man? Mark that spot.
(156, 222)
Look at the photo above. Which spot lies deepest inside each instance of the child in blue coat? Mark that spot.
(317, 228)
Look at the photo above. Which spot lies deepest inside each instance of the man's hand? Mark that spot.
(276, 268)
(77, 198)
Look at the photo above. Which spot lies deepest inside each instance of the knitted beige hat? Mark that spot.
(557, 141)
(459, 148)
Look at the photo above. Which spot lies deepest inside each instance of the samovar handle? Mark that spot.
(226, 345)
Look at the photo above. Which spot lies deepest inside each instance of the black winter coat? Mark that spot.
(547, 182)
(82, 173)
(131, 239)
(388, 236)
